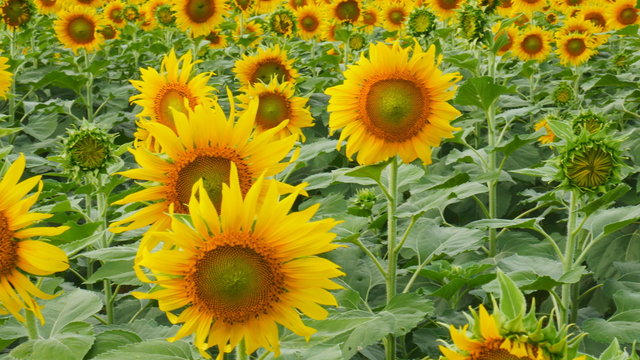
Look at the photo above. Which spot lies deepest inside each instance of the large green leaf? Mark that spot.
(76, 305)
(480, 91)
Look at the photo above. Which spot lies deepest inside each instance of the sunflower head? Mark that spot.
(623, 13)
(590, 163)
(243, 5)
(48, 6)
(165, 15)
(87, 151)
(346, 11)
(16, 13)
(363, 202)
(77, 28)
(549, 135)
(421, 22)
(489, 6)
(575, 49)
(311, 21)
(130, 12)
(357, 41)
(472, 23)
(264, 65)
(216, 40)
(108, 32)
(533, 43)
(590, 122)
(563, 95)
(283, 22)
(5, 77)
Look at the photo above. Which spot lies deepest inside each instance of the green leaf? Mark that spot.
(76, 305)
(42, 125)
(605, 331)
(512, 302)
(607, 221)
(59, 347)
(112, 253)
(480, 91)
(428, 239)
(524, 223)
(369, 171)
(111, 340)
(120, 272)
(561, 129)
(604, 200)
(9, 131)
(152, 350)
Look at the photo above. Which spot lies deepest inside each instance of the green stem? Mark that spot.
(492, 184)
(89, 96)
(30, 324)
(568, 261)
(241, 351)
(392, 254)
(371, 256)
(108, 300)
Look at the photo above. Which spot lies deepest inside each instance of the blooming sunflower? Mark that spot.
(347, 11)
(532, 44)
(252, 29)
(16, 13)
(511, 32)
(76, 28)
(20, 256)
(505, 8)
(113, 13)
(5, 77)
(48, 6)
(237, 272)
(393, 103)
(395, 14)
(575, 48)
(567, 6)
(198, 16)
(595, 13)
(264, 65)
(266, 6)
(445, 9)
(277, 104)
(243, 5)
(623, 13)
(528, 7)
(160, 92)
(578, 25)
(216, 40)
(311, 21)
(489, 343)
(550, 136)
(369, 18)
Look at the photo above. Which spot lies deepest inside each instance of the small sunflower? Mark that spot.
(130, 12)
(346, 11)
(369, 18)
(578, 25)
(357, 41)
(16, 13)
(623, 13)
(277, 103)
(563, 94)
(421, 22)
(511, 32)
(109, 32)
(253, 30)
(532, 44)
(550, 136)
(297, 4)
(165, 16)
(146, 20)
(173, 88)
(445, 9)
(575, 49)
(596, 14)
(199, 16)
(591, 163)
(243, 5)
(264, 65)
(590, 122)
(19, 255)
(528, 7)
(551, 17)
(216, 40)
(505, 8)
(114, 13)
(471, 23)
(88, 151)
(395, 14)
(5, 78)
(283, 22)
(393, 103)
(77, 28)
(48, 6)
(311, 21)
(239, 269)
(568, 6)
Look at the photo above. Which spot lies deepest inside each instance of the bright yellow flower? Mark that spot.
(533, 43)
(445, 9)
(264, 65)
(5, 78)
(575, 48)
(199, 16)
(77, 28)
(623, 13)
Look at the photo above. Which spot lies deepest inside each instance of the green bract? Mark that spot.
(87, 151)
(421, 22)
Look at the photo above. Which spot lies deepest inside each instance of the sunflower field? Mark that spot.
(319, 179)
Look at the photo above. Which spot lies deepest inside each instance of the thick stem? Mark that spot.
(392, 254)
(241, 351)
(30, 324)
(108, 300)
(492, 184)
(89, 96)
(567, 292)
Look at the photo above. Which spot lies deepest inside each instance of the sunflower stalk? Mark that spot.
(30, 324)
(89, 96)
(392, 253)
(492, 184)
(567, 295)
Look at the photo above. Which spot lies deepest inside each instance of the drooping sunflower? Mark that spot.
(596, 13)
(393, 103)
(265, 64)
(242, 268)
(532, 43)
(277, 104)
(48, 6)
(311, 21)
(487, 343)
(76, 28)
(575, 48)
(445, 9)
(164, 15)
(471, 22)
(19, 255)
(283, 22)
(113, 13)
(16, 13)
(5, 78)
(204, 145)
(199, 16)
(623, 13)
(164, 91)
(592, 163)
(395, 14)
(528, 7)
(369, 18)
(346, 11)
(216, 40)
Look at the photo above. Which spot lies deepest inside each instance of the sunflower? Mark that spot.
(393, 103)
(204, 145)
(20, 256)
(577, 25)
(296, 4)
(243, 5)
(622, 13)
(532, 44)
(146, 19)
(199, 16)
(278, 103)
(369, 18)
(528, 7)
(575, 48)
(421, 22)
(311, 21)
(563, 94)
(5, 77)
(395, 14)
(216, 40)
(471, 23)
(595, 13)
(160, 92)
(264, 65)
(347, 11)
(16, 13)
(131, 12)
(266, 6)
(589, 121)
(511, 32)
(252, 29)
(76, 28)
(489, 343)
(237, 272)
(590, 164)
(550, 136)
(86, 3)
(113, 13)
(282, 22)
(445, 9)
(48, 6)
(567, 6)
(505, 8)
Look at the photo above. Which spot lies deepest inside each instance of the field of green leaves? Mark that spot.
(319, 179)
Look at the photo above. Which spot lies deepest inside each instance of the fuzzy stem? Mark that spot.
(30, 324)
(570, 247)
(89, 96)
(492, 184)
(392, 257)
